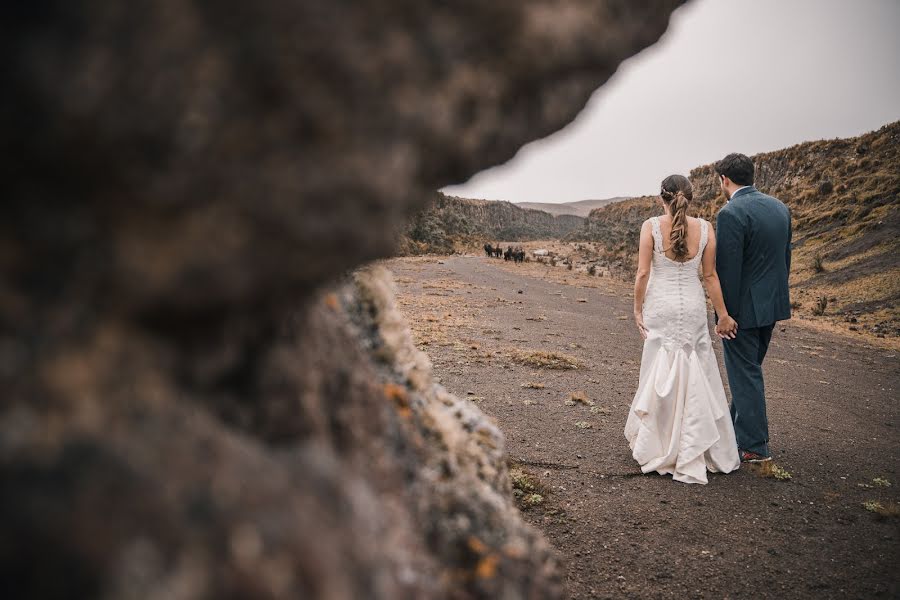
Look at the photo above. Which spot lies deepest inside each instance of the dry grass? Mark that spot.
(818, 263)
(821, 304)
(878, 482)
(438, 318)
(769, 470)
(532, 385)
(579, 397)
(446, 284)
(530, 500)
(887, 508)
(543, 359)
(528, 490)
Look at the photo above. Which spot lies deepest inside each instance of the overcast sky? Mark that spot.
(729, 76)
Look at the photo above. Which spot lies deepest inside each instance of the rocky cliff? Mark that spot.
(844, 196)
(197, 403)
(449, 223)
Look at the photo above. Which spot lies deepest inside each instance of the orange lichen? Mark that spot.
(397, 393)
(331, 301)
(487, 567)
(400, 397)
(476, 545)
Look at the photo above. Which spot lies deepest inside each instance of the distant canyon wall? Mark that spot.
(449, 223)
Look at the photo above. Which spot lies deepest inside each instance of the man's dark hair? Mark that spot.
(736, 167)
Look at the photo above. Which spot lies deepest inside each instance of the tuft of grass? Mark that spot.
(583, 425)
(579, 397)
(881, 482)
(818, 263)
(546, 359)
(770, 470)
(780, 474)
(528, 490)
(521, 480)
(533, 385)
(821, 304)
(592, 270)
(882, 509)
(530, 500)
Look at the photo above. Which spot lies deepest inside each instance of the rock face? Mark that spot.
(448, 222)
(186, 412)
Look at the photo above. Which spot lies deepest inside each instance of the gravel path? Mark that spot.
(833, 413)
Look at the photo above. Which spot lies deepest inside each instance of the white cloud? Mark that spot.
(729, 76)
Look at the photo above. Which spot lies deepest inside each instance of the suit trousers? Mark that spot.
(743, 362)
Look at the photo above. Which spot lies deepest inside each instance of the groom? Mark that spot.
(753, 260)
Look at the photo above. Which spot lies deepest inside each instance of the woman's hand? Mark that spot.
(726, 328)
(639, 320)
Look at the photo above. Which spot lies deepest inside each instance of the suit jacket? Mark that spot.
(753, 258)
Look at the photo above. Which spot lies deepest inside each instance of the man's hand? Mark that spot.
(726, 328)
(639, 320)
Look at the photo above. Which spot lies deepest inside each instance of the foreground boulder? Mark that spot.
(196, 404)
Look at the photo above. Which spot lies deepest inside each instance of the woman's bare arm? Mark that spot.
(645, 253)
(714, 288)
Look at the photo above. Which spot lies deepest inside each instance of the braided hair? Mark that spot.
(676, 191)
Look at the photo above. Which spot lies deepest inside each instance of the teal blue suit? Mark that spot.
(753, 260)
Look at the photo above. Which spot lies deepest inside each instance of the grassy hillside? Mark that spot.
(449, 223)
(844, 195)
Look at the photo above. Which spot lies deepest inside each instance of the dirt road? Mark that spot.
(833, 412)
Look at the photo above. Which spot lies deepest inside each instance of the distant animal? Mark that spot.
(489, 250)
(519, 254)
(498, 251)
(508, 254)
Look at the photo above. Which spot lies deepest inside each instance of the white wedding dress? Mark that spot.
(679, 422)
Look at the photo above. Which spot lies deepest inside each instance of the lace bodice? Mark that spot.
(675, 296)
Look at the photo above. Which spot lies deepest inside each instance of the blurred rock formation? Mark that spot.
(197, 401)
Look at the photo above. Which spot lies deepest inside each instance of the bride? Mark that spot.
(679, 422)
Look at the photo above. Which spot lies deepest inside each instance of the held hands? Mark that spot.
(639, 320)
(726, 328)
